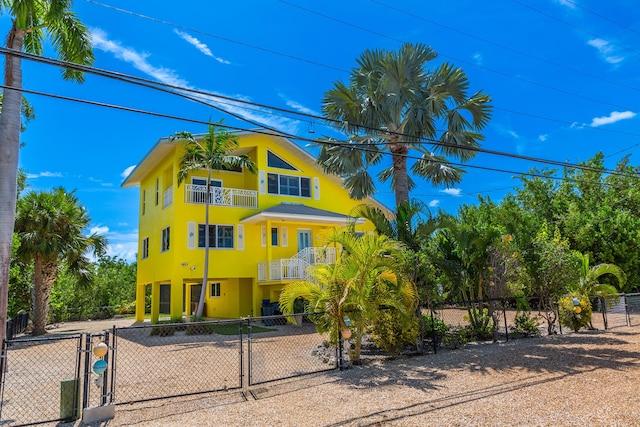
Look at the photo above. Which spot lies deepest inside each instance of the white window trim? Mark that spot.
(235, 243)
(212, 286)
(299, 185)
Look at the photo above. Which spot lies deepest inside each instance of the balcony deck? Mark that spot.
(221, 196)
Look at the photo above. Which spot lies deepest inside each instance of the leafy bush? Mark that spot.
(434, 328)
(480, 323)
(457, 336)
(526, 325)
(572, 315)
(390, 333)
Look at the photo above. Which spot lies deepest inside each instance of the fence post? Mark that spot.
(112, 347)
(105, 374)
(626, 309)
(434, 334)
(244, 383)
(340, 351)
(87, 369)
(504, 314)
(603, 303)
(3, 366)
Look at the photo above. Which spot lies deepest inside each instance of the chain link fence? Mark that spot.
(167, 360)
(41, 379)
(291, 349)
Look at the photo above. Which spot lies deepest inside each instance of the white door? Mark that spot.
(304, 239)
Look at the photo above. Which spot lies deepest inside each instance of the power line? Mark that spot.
(501, 73)
(562, 21)
(226, 39)
(161, 86)
(602, 16)
(510, 49)
(295, 137)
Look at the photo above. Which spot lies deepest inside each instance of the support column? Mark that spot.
(155, 302)
(176, 297)
(141, 291)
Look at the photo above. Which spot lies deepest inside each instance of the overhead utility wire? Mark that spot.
(339, 69)
(606, 18)
(510, 49)
(296, 137)
(226, 39)
(562, 21)
(566, 92)
(161, 87)
(342, 70)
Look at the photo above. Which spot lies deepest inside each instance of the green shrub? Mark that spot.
(526, 325)
(574, 316)
(480, 323)
(434, 328)
(390, 333)
(457, 336)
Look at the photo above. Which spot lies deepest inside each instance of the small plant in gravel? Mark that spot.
(526, 325)
(390, 333)
(480, 323)
(575, 312)
(435, 328)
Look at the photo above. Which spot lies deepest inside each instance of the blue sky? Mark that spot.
(563, 75)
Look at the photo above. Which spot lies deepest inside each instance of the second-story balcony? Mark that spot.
(221, 196)
(296, 267)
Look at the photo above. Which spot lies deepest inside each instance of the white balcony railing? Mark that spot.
(296, 267)
(221, 196)
(167, 197)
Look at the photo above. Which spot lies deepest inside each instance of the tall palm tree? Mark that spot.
(50, 227)
(32, 20)
(365, 279)
(393, 103)
(212, 152)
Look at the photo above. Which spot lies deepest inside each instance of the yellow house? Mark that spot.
(268, 227)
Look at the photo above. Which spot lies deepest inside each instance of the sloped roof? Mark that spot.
(299, 212)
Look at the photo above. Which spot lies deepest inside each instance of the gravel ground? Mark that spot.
(586, 379)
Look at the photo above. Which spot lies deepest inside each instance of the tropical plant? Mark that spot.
(574, 311)
(213, 152)
(50, 226)
(589, 283)
(31, 21)
(394, 103)
(365, 279)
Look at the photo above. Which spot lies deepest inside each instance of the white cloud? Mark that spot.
(125, 173)
(45, 174)
(297, 106)
(106, 184)
(202, 47)
(434, 203)
(100, 229)
(607, 50)
(566, 3)
(478, 58)
(137, 59)
(543, 138)
(452, 191)
(168, 76)
(125, 250)
(615, 116)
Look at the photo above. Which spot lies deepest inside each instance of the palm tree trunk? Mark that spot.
(44, 275)
(205, 273)
(9, 151)
(399, 153)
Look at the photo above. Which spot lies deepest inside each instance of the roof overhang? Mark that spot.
(289, 212)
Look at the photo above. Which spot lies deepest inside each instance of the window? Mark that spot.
(203, 181)
(144, 201)
(157, 191)
(166, 237)
(145, 248)
(220, 236)
(215, 290)
(274, 236)
(274, 161)
(289, 185)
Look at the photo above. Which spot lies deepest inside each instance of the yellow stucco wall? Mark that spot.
(236, 269)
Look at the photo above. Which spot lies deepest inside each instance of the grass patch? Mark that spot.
(230, 329)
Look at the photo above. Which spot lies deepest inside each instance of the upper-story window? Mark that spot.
(157, 191)
(166, 239)
(289, 185)
(274, 161)
(203, 181)
(145, 248)
(220, 236)
(144, 202)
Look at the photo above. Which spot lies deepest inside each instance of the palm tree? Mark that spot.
(212, 152)
(366, 279)
(50, 227)
(589, 284)
(393, 103)
(31, 21)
